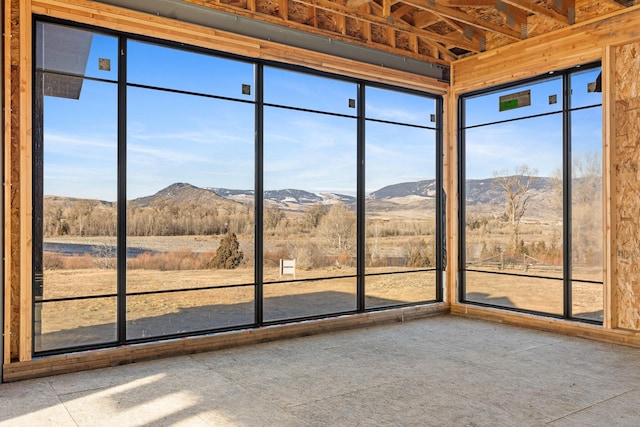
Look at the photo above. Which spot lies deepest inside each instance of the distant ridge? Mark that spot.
(179, 193)
(426, 188)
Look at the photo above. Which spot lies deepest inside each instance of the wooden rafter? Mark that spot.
(532, 7)
(460, 16)
(402, 10)
(513, 17)
(468, 3)
(398, 25)
(425, 18)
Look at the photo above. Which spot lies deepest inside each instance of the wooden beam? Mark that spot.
(573, 45)
(460, 16)
(468, 3)
(532, 7)
(354, 4)
(399, 25)
(402, 10)
(283, 9)
(386, 8)
(424, 19)
(334, 7)
(514, 17)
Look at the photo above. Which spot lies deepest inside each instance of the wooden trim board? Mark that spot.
(548, 324)
(95, 359)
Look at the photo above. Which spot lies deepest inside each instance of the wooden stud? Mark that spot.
(608, 185)
(26, 217)
(6, 147)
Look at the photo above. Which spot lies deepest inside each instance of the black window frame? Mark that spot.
(565, 110)
(121, 294)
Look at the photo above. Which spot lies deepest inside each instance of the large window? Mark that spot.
(531, 235)
(178, 191)
(403, 192)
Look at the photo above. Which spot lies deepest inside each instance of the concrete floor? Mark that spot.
(442, 371)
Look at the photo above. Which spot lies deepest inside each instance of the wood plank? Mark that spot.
(135, 353)
(283, 9)
(355, 4)
(460, 16)
(578, 44)
(627, 156)
(425, 18)
(386, 8)
(402, 10)
(548, 324)
(399, 25)
(533, 7)
(609, 187)
(450, 179)
(26, 216)
(6, 193)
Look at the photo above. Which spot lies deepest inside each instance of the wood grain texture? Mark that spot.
(578, 44)
(627, 170)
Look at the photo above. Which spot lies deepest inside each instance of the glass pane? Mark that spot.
(309, 200)
(588, 300)
(313, 298)
(526, 293)
(514, 206)
(171, 68)
(586, 88)
(65, 324)
(511, 103)
(306, 91)
(79, 188)
(185, 228)
(69, 50)
(587, 254)
(401, 202)
(400, 288)
(400, 107)
(157, 315)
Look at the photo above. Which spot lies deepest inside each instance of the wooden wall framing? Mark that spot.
(600, 39)
(18, 169)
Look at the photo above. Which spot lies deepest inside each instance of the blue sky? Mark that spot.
(536, 142)
(210, 142)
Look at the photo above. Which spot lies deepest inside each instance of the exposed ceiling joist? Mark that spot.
(398, 25)
(534, 8)
(460, 16)
(435, 30)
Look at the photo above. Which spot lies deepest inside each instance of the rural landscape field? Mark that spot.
(174, 240)
(191, 257)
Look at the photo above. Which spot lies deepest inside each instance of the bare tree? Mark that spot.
(337, 228)
(516, 188)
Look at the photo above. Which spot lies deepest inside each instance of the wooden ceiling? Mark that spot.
(434, 30)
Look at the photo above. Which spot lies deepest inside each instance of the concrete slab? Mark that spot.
(442, 371)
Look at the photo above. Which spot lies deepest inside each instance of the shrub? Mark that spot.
(52, 261)
(228, 256)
